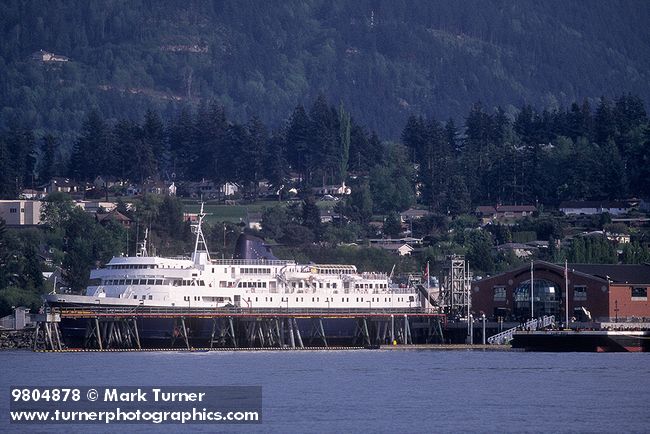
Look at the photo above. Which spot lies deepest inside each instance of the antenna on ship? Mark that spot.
(201, 253)
(143, 246)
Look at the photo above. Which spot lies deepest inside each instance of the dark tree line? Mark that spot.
(536, 157)
(544, 157)
(320, 146)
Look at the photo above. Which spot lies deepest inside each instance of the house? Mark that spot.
(518, 249)
(62, 185)
(30, 194)
(47, 57)
(329, 216)
(229, 189)
(401, 249)
(21, 212)
(191, 217)
(503, 213)
(133, 190)
(115, 215)
(159, 187)
(333, 190)
(602, 292)
(95, 206)
(105, 182)
(204, 188)
(615, 237)
(413, 214)
(594, 207)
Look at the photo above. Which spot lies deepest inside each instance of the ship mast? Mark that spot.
(201, 254)
(143, 245)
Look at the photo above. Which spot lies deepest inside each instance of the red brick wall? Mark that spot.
(626, 306)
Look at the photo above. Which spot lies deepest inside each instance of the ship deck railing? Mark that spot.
(151, 311)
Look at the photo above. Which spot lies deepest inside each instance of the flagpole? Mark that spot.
(566, 293)
(532, 293)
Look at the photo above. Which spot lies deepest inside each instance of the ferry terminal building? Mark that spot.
(597, 292)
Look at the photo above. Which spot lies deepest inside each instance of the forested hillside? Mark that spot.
(385, 60)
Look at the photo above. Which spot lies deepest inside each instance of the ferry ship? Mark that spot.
(253, 279)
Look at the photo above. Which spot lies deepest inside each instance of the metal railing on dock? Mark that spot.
(534, 324)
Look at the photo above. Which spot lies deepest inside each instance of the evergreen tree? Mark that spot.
(311, 216)
(392, 226)
(153, 132)
(255, 152)
(344, 140)
(92, 153)
(324, 156)
(47, 167)
(298, 144)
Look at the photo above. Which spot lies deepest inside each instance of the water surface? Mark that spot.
(373, 390)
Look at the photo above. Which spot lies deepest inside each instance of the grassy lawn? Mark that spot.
(234, 213)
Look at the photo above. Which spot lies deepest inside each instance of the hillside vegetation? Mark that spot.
(385, 60)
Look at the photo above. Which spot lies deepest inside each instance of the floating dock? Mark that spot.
(583, 340)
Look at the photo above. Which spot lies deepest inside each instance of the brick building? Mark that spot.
(596, 292)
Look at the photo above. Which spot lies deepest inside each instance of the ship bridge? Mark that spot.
(332, 269)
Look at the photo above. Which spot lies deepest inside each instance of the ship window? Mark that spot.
(151, 281)
(121, 282)
(255, 298)
(411, 298)
(334, 285)
(143, 297)
(296, 298)
(271, 298)
(135, 296)
(159, 282)
(151, 297)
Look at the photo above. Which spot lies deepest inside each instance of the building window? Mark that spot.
(639, 294)
(580, 293)
(499, 293)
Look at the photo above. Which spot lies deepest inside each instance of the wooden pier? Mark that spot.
(124, 328)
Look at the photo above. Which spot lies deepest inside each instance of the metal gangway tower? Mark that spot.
(455, 287)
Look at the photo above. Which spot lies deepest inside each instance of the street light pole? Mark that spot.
(483, 317)
(471, 329)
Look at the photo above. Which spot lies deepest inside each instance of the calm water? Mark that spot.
(374, 391)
